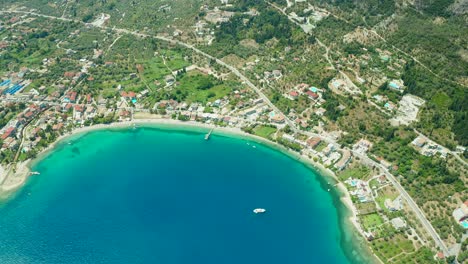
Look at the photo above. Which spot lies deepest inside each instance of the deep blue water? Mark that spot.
(159, 196)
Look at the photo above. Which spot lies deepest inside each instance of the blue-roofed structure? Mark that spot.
(14, 89)
(5, 83)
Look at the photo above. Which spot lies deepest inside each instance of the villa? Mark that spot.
(396, 85)
(312, 95)
(293, 95)
(461, 215)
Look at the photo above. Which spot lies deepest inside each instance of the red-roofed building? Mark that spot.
(9, 132)
(162, 105)
(313, 142)
(33, 107)
(13, 20)
(88, 99)
(130, 94)
(293, 95)
(57, 126)
(29, 114)
(79, 108)
(71, 96)
(69, 74)
(312, 95)
(125, 113)
(68, 107)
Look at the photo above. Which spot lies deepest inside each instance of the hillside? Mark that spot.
(382, 82)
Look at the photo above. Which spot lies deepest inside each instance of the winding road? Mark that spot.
(425, 223)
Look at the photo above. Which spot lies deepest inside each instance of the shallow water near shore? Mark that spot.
(168, 196)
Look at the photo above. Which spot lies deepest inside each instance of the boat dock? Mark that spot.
(207, 136)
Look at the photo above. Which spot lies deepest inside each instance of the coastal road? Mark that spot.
(426, 224)
(412, 204)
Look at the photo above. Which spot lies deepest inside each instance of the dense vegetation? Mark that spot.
(430, 31)
(261, 28)
(447, 105)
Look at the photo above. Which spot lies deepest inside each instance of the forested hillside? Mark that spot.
(434, 32)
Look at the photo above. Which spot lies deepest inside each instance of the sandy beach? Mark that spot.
(14, 181)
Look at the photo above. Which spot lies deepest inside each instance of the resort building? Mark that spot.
(313, 142)
(343, 162)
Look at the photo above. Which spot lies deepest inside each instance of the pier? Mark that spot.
(207, 136)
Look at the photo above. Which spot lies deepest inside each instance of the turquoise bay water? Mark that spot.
(158, 196)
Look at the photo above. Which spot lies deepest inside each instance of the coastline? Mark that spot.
(14, 181)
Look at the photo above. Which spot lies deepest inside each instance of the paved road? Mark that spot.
(422, 218)
(419, 213)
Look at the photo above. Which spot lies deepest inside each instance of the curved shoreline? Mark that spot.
(15, 181)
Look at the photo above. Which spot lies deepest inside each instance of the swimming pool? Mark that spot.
(464, 224)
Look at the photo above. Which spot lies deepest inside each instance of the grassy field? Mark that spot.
(371, 221)
(264, 131)
(360, 172)
(201, 88)
(321, 146)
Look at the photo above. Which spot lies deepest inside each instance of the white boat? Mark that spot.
(259, 210)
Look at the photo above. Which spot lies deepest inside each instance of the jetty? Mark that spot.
(208, 135)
